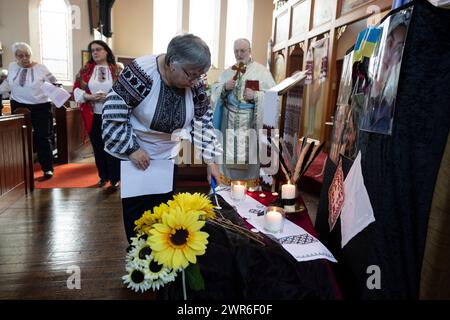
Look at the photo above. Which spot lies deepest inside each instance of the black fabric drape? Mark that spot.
(400, 170)
(235, 267)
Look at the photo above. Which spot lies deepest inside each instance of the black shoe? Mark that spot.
(101, 182)
(48, 174)
(113, 185)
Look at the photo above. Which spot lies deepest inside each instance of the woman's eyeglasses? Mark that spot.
(190, 77)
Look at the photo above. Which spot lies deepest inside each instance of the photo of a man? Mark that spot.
(384, 72)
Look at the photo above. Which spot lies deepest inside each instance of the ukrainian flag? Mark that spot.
(366, 42)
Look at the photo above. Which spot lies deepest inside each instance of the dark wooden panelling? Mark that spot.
(15, 160)
(70, 136)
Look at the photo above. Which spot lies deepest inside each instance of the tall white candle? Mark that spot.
(273, 221)
(288, 191)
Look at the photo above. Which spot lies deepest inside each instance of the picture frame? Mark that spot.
(85, 56)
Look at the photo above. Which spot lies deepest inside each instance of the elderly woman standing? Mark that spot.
(155, 98)
(24, 81)
(92, 84)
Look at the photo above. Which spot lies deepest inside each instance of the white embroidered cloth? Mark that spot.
(299, 243)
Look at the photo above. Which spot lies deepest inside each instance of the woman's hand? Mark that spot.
(98, 97)
(213, 171)
(140, 159)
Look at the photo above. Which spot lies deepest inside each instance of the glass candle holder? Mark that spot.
(238, 189)
(274, 219)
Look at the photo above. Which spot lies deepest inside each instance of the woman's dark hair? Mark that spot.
(110, 57)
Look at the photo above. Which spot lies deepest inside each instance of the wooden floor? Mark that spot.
(45, 234)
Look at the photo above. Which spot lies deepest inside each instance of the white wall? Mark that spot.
(19, 21)
(81, 37)
(14, 26)
(131, 26)
(132, 30)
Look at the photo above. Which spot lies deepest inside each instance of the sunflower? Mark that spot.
(170, 276)
(135, 278)
(154, 271)
(139, 252)
(193, 202)
(148, 218)
(178, 240)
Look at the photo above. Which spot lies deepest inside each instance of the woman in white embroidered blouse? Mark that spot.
(91, 86)
(154, 101)
(24, 81)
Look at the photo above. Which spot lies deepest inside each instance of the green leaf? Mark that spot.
(194, 277)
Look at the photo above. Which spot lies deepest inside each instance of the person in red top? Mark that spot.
(91, 86)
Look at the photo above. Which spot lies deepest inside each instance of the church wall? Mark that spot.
(132, 28)
(19, 21)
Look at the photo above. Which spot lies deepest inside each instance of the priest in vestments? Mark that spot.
(238, 99)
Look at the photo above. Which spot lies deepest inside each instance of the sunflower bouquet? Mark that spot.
(169, 239)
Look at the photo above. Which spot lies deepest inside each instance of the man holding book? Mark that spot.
(238, 114)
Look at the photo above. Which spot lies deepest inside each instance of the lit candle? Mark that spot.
(288, 193)
(251, 189)
(275, 194)
(273, 220)
(262, 195)
(238, 191)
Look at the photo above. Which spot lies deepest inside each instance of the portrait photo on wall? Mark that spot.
(384, 72)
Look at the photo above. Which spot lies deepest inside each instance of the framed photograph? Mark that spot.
(85, 56)
(384, 74)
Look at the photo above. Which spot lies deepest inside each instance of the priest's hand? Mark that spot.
(213, 171)
(140, 159)
(230, 84)
(249, 94)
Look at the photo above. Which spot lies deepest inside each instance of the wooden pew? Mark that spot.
(16, 157)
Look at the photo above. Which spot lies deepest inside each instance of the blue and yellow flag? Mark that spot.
(366, 42)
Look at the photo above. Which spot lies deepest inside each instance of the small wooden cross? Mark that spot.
(241, 68)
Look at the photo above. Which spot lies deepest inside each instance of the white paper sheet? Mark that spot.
(56, 94)
(296, 240)
(357, 212)
(271, 107)
(158, 178)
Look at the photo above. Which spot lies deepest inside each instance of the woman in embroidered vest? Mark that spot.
(24, 81)
(157, 101)
(92, 84)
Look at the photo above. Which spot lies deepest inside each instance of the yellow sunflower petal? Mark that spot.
(162, 228)
(178, 260)
(164, 257)
(190, 255)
